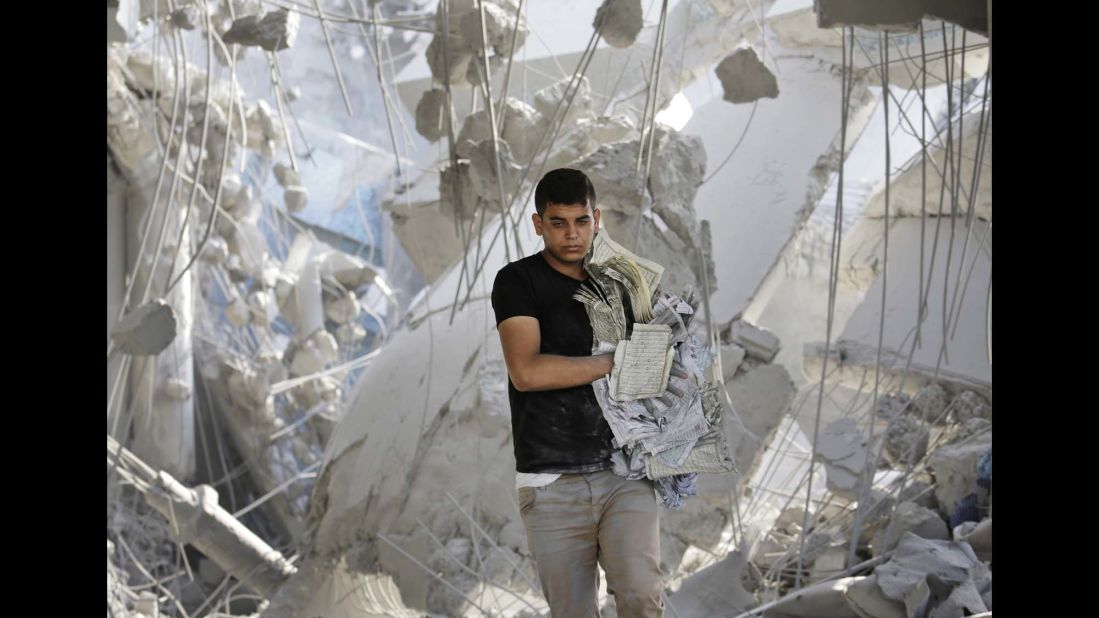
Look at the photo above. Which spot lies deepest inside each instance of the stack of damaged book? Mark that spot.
(664, 412)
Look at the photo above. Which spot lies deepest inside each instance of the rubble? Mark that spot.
(201, 522)
(952, 568)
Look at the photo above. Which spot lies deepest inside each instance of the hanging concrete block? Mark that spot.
(744, 77)
(286, 175)
(296, 198)
(274, 31)
(185, 18)
(430, 115)
(619, 22)
(147, 330)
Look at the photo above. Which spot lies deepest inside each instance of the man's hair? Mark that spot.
(563, 186)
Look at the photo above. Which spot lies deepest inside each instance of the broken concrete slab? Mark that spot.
(757, 341)
(147, 330)
(618, 22)
(274, 31)
(848, 362)
(745, 78)
(915, 192)
(901, 15)
(910, 517)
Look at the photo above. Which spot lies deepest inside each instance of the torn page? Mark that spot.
(642, 363)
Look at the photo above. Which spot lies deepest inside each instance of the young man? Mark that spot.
(575, 510)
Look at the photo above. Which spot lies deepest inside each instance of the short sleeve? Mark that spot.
(512, 295)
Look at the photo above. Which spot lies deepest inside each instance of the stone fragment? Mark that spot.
(431, 115)
(619, 22)
(147, 330)
(910, 517)
(274, 31)
(757, 341)
(744, 77)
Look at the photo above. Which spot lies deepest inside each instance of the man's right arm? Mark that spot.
(532, 371)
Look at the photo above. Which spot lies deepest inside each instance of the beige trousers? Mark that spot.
(583, 518)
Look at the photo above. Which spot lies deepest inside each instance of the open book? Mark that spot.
(642, 363)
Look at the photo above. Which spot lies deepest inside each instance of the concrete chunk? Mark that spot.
(499, 26)
(910, 517)
(955, 470)
(547, 99)
(968, 405)
(147, 330)
(842, 448)
(758, 342)
(619, 22)
(430, 115)
(296, 197)
(906, 440)
(930, 403)
(744, 77)
(453, 69)
(274, 31)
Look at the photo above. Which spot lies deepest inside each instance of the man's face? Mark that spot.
(568, 230)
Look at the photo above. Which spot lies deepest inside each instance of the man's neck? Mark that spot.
(572, 270)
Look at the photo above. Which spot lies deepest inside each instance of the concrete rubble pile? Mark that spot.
(307, 401)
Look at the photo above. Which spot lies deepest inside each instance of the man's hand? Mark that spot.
(532, 371)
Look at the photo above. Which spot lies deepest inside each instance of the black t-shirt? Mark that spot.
(559, 430)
